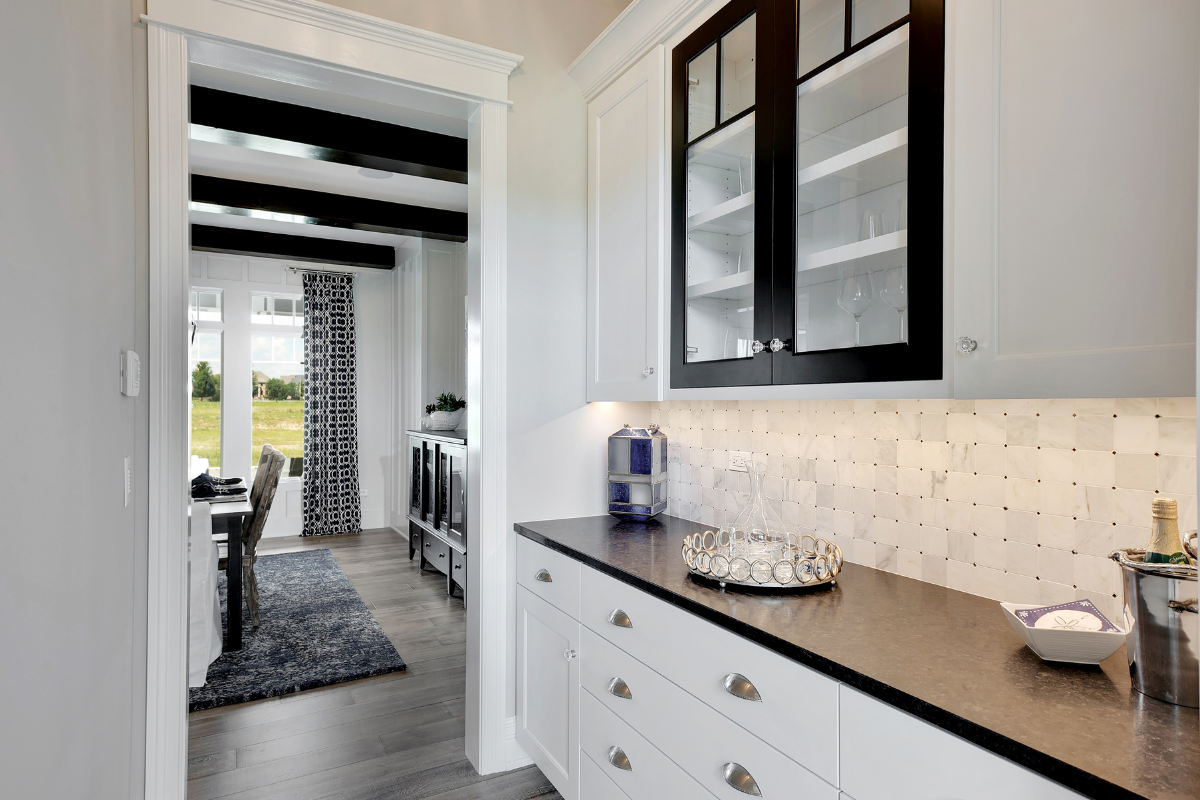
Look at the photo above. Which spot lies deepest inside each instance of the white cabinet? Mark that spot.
(626, 158)
(548, 690)
(1074, 197)
(889, 755)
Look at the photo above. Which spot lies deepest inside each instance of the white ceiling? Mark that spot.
(240, 163)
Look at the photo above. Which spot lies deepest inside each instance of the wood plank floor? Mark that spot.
(394, 736)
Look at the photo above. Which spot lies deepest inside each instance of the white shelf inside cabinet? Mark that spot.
(879, 245)
(735, 216)
(739, 286)
(860, 82)
(721, 149)
(878, 163)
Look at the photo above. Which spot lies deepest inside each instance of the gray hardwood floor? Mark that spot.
(394, 736)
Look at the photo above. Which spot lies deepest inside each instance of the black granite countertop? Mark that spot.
(947, 657)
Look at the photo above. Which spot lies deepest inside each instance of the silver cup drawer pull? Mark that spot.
(544, 576)
(617, 757)
(620, 619)
(619, 688)
(739, 685)
(737, 777)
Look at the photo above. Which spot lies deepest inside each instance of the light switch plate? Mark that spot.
(738, 460)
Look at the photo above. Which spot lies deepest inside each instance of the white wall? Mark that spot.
(556, 441)
(73, 265)
(374, 298)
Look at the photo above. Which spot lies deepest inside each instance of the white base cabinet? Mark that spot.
(548, 690)
(631, 697)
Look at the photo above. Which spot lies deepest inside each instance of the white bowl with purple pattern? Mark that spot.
(1071, 633)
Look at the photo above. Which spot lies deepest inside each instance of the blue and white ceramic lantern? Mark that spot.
(637, 473)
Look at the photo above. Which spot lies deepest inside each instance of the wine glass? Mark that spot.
(872, 224)
(855, 296)
(894, 292)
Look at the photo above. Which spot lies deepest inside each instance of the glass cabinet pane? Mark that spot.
(872, 16)
(720, 244)
(702, 93)
(852, 199)
(822, 33)
(737, 69)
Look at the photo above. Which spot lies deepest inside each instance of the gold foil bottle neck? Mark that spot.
(1164, 508)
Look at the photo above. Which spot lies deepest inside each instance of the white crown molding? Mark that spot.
(344, 38)
(639, 28)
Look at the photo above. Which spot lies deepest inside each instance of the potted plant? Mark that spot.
(446, 413)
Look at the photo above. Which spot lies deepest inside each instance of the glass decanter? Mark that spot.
(757, 534)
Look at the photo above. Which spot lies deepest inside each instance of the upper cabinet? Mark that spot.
(1075, 165)
(807, 194)
(896, 198)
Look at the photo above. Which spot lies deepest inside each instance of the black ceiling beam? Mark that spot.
(289, 129)
(239, 241)
(332, 210)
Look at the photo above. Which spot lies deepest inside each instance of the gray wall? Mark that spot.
(73, 271)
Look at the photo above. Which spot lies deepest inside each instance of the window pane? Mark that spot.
(260, 347)
(852, 200)
(194, 304)
(283, 311)
(871, 16)
(278, 406)
(209, 304)
(737, 69)
(260, 310)
(822, 32)
(205, 367)
(702, 93)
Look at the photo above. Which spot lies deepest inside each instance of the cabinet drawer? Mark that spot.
(594, 784)
(559, 581)
(688, 732)
(798, 712)
(890, 755)
(436, 552)
(651, 775)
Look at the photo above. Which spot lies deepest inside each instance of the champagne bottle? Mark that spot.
(1165, 547)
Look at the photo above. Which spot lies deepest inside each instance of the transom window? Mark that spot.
(277, 309)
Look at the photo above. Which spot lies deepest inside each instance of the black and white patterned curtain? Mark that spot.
(331, 496)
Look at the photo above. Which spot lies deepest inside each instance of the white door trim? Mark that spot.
(166, 382)
(312, 35)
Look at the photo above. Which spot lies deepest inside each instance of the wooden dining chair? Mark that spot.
(262, 494)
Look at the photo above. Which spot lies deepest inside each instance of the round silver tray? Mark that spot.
(800, 562)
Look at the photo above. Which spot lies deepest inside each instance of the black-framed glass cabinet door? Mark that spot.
(722, 130)
(858, 217)
(847, 285)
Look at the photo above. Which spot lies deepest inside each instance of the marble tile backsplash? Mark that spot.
(1016, 500)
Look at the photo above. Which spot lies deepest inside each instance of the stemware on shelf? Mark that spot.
(894, 292)
(872, 224)
(856, 293)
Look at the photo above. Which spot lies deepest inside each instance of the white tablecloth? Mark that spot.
(204, 609)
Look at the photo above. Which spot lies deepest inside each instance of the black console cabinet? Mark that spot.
(437, 509)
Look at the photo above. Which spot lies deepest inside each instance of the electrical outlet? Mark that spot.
(738, 460)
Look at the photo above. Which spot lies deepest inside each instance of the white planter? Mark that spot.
(444, 420)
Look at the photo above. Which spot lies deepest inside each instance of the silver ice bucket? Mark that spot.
(1163, 643)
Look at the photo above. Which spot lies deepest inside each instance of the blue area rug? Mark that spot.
(316, 631)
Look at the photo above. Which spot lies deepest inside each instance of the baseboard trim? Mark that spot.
(515, 756)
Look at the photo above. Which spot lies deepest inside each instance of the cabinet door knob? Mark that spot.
(544, 576)
(619, 688)
(965, 344)
(739, 685)
(780, 344)
(756, 347)
(648, 371)
(737, 777)
(620, 619)
(617, 757)
(569, 654)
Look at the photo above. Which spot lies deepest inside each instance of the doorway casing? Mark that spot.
(321, 46)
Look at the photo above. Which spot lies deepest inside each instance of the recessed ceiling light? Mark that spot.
(378, 174)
